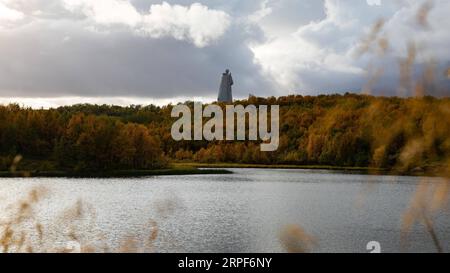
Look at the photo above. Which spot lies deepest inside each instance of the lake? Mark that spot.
(240, 212)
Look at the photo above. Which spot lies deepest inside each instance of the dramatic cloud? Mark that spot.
(8, 15)
(322, 55)
(144, 50)
(196, 22)
(105, 12)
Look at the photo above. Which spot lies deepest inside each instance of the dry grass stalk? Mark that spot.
(22, 232)
(295, 239)
(423, 12)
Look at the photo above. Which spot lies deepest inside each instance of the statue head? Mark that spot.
(227, 71)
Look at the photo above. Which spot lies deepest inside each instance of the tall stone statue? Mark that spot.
(225, 94)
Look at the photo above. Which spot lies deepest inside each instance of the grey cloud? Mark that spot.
(58, 53)
(320, 57)
(45, 59)
(234, 7)
(288, 15)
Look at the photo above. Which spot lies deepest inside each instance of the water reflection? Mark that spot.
(241, 212)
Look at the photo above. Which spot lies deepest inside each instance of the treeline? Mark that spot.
(405, 134)
(337, 130)
(76, 141)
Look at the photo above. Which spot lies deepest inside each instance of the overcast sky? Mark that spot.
(56, 52)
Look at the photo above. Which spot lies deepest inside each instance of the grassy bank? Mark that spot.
(272, 166)
(364, 170)
(45, 168)
(115, 174)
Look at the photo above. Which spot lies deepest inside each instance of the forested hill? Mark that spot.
(335, 130)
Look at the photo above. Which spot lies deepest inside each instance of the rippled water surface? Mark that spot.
(240, 212)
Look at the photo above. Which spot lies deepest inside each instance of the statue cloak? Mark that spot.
(225, 92)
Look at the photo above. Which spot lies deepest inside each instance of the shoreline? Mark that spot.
(112, 174)
(192, 168)
(275, 166)
(356, 170)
